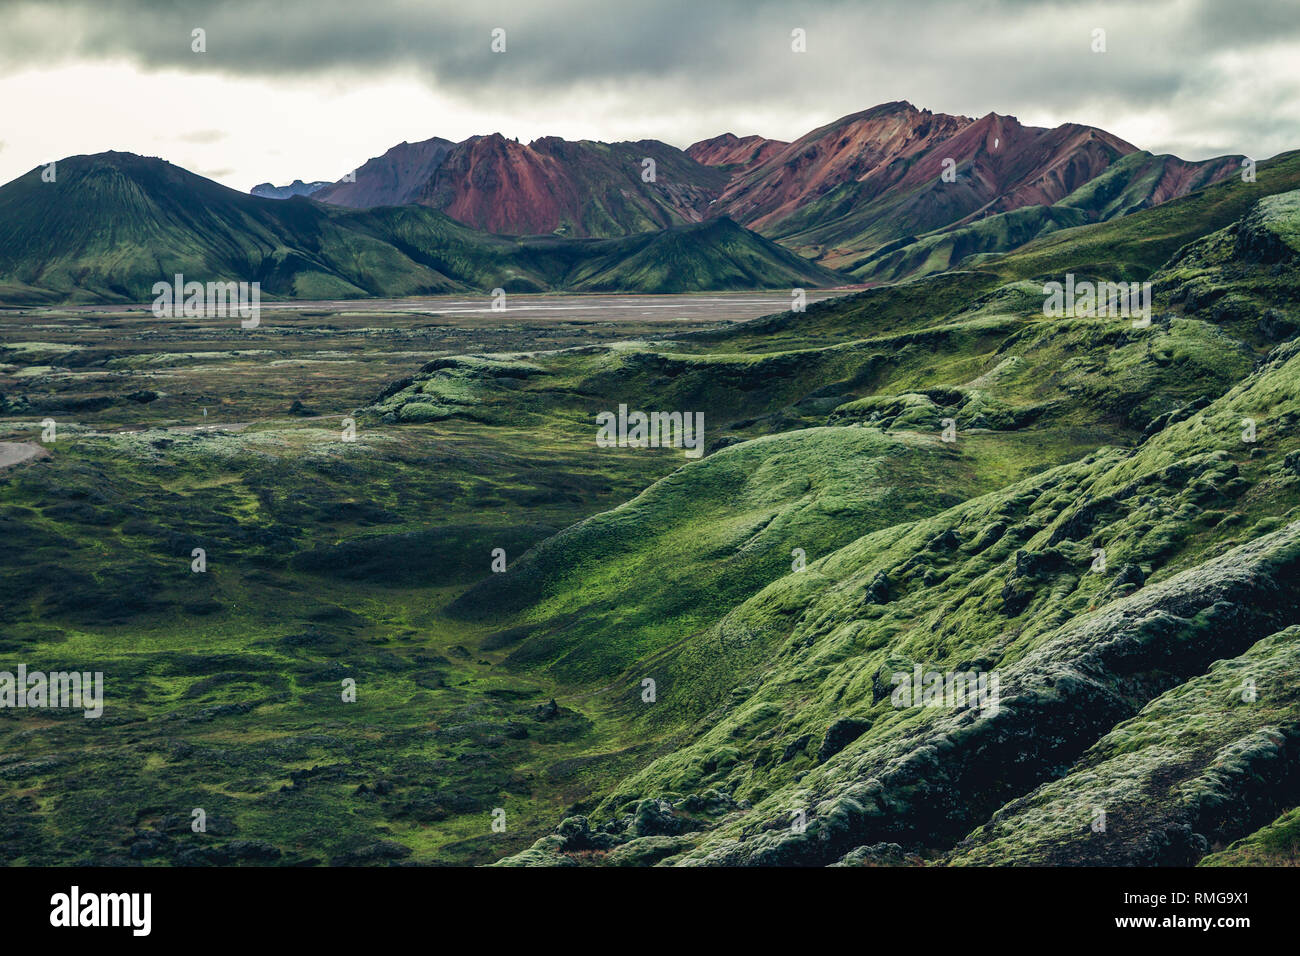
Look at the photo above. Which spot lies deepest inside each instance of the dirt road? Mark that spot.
(13, 452)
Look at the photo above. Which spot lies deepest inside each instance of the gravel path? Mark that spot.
(12, 452)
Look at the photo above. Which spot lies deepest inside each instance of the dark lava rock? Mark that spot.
(879, 854)
(655, 818)
(878, 590)
(947, 541)
(372, 854)
(839, 735)
(1129, 574)
(236, 851)
(1275, 326)
(1015, 599)
(548, 711)
(576, 835)
(711, 802)
(1033, 564)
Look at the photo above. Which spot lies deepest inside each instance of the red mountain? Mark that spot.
(1008, 165)
(877, 176)
(581, 188)
(737, 152)
(849, 150)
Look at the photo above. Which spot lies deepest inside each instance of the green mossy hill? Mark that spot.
(1005, 584)
(1101, 592)
(1129, 185)
(111, 225)
(1202, 764)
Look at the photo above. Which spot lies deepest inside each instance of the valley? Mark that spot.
(163, 429)
(679, 653)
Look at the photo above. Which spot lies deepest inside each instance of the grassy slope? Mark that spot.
(223, 689)
(898, 597)
(628, 583)
(1002, 581)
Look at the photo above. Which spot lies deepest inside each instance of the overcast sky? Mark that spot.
(312, 88)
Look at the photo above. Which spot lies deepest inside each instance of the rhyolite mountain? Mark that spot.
(113, 224)
(581, 188)
(735, 153)
(873, 183)
(1133, 183)
(865, 194)
(548, 186)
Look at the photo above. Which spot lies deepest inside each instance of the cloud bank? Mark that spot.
(1194, 77)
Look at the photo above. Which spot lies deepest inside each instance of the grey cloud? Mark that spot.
(1008, 56)
(567, 41)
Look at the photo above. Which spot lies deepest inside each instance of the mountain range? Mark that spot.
(866, 194)
(295, 188)
(887, 194)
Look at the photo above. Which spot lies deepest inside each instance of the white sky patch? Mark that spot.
(272, 132)
(247, 131)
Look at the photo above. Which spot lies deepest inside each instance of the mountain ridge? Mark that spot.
(391, 179)
(113, 224)
(842, 194)
(295, 188)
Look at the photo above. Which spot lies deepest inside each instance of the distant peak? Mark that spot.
(894, 106)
